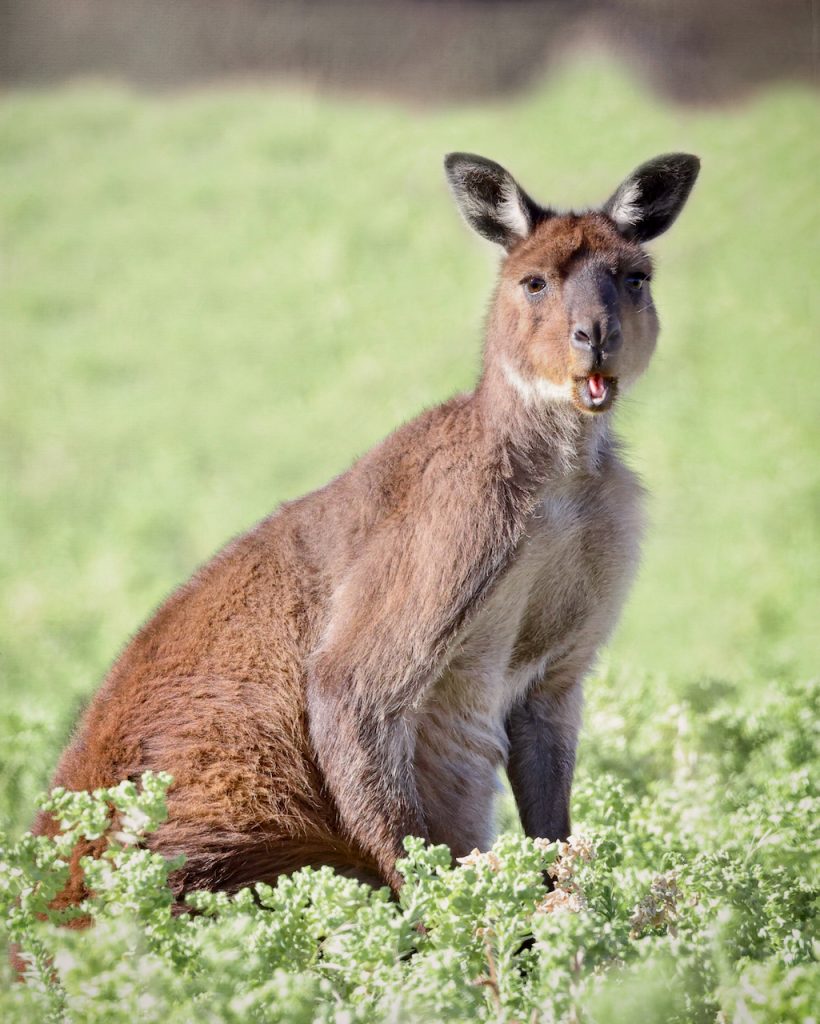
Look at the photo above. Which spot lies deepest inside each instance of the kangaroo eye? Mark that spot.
(534, 285)
(634, 282)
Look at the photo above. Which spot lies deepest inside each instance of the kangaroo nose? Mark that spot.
(613, 340)
(589, 336)
(581, 339)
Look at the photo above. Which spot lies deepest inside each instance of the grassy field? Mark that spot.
(213, 302)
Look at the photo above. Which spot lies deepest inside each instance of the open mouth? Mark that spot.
(596, 392)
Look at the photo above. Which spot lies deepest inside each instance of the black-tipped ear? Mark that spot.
(490, 199)
(650, 199)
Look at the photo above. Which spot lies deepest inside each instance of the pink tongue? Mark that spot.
(597, 387)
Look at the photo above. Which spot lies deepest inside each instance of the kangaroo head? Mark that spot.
(573, 318)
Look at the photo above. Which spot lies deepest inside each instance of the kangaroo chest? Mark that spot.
(540, 625)
(556, 602)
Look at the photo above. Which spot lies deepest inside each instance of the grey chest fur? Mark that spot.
(540, 626)
(558, 600)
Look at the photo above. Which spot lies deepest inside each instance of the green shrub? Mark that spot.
(684, 896)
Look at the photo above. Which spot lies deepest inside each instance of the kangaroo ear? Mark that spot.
(650, 199)
(490, 199)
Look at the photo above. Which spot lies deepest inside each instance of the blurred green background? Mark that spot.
(215, 299)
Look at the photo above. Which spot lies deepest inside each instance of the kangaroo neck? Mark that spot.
(541, 439)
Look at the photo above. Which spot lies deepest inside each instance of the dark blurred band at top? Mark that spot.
(421, 50)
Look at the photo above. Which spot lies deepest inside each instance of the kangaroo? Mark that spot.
(358, 666)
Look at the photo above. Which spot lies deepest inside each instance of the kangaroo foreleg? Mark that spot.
(389, 623)
(543, 734)
(366, 759)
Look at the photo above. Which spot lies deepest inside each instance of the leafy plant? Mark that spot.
(684, 897)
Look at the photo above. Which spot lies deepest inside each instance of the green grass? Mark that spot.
(213, 302)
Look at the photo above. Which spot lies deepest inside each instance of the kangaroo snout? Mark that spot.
(596, 340)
